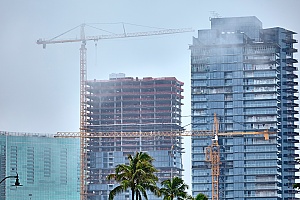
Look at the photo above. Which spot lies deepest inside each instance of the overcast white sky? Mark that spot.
(40, 87)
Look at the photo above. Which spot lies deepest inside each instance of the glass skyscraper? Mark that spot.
(246, 76)
(48, 167)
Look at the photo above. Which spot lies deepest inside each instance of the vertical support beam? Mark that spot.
(212, 155)
(215, 169)
(83, 119)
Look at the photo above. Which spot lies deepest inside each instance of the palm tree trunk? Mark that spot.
(132, 193)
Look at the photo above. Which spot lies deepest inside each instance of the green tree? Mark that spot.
(138, 176)
(201, 196)
(174, 188)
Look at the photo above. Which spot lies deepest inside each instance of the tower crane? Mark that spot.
(83, 78)
(212, 152)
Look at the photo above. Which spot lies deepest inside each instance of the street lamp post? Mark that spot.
(17, 183)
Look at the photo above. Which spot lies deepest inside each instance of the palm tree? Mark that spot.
(138, 176)
(201, 196)
(174, 188)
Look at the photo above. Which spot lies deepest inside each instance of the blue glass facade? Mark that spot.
(245, 75)
(48, 167)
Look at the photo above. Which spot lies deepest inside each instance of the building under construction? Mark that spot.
(126, 104)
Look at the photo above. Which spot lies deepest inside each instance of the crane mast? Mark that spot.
(83, 117)
(212, 155)
(83, 78)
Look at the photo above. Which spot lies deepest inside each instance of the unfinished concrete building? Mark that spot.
(126, 104)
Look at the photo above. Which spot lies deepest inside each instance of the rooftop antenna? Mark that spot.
(214, 14)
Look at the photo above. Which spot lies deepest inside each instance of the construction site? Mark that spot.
(243, 107)
(122, 115)
(123, 105)
(126, 104)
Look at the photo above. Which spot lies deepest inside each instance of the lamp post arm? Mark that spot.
(7, 177)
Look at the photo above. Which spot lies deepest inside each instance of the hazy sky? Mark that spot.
(40, 87)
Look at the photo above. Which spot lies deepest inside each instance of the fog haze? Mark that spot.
(40, 87)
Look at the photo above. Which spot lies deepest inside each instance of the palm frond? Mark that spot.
(115, 191)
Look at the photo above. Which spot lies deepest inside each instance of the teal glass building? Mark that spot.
(246, 75)
(48, 167)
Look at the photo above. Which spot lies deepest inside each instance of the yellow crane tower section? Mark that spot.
(83, 78)
(212, 155)
(212, 152)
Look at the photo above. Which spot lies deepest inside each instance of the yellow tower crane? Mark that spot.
(212, 154)
(83, 78)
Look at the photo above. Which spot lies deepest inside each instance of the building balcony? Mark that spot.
(291, 177)
(289, 126)
(260, 75)
(271, 194)
(92, 97)
(291, 97)
(290, 162)
(291, 140)
(291, 133)
(290, 50)
(289, 41)
(261, 96)
(291, 191)
(290, 76)
(290, 119)
(258, 105)
(198, 99)
(261, 83)
(290, 83)
(260, 90)
(293, 155)
(291, 148)
(290, 90)
(291, 104)
(290, 68)
(92, 109)
(291, 170)
(261, 119)
(292, 198)
(112, 94)
(289, 184)
(260, 61)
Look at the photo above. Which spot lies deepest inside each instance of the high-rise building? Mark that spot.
(125, 104)
(48, 167)
(246, 75)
